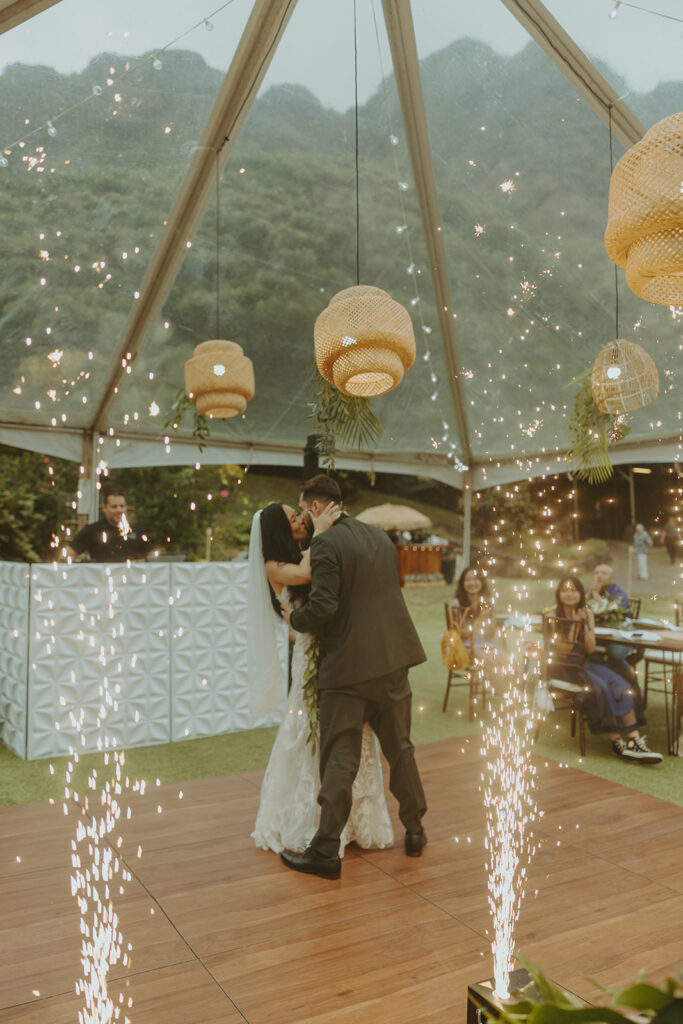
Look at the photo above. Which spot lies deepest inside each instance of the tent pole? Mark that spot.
(467, 518)
(576, 67)
(401, 34)
(256, 48)
(88, 493)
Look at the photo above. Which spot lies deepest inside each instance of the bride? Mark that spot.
(288, 814)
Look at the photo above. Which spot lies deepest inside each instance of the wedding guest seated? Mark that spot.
(605, 585)
(610, 705)
(475, 614)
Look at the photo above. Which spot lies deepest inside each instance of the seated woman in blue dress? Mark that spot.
(610, 705)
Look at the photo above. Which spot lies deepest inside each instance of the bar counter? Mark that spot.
(93, 654)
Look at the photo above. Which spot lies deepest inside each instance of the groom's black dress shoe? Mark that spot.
(312, 863)
(415, 843)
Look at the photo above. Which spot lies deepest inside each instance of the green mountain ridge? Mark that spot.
(101, 189)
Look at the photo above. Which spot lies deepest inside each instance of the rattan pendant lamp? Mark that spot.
(219, 378)
(364, 340)
(624, 376)
(645, 226)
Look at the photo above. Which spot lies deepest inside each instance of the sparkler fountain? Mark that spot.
(99, 872)
(508, 786)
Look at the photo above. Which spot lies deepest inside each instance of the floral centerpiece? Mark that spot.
(608, 611)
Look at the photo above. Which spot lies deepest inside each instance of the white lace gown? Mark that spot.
(288, 813)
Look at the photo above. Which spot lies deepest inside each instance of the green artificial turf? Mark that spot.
(27, 781)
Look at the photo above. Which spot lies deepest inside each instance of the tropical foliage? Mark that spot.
(590, 434)
(543, 1002)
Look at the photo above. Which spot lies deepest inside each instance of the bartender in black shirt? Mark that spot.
(111, 538)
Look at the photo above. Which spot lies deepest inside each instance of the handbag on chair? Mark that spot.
(454, 654)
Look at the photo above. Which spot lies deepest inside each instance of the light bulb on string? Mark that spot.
(156, 64)
(51, 130)
(4, 162)
(97, 90)
(208, 25)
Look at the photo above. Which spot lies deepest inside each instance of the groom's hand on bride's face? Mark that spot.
(323, 518)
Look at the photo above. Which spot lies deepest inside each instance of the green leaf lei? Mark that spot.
(310, 690)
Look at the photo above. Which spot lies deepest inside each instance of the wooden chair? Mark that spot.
(559, 659)
(656, 666)
(471, 677)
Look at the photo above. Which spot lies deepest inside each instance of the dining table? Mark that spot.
(667, 641)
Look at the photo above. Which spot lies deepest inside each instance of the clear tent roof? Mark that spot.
(101, 134)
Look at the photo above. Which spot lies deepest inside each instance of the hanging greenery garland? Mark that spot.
(591, 432)
(342, 420)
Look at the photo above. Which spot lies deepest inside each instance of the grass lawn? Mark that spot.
(26, 781)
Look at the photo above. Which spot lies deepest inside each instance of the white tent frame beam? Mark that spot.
(401, 32)
(254, 52)
(16, 12)
(577, 69)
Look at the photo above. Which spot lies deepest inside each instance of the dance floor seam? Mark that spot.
(222, 932)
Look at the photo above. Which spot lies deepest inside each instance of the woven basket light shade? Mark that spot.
(364, 342)
(645, 224)
(219, 379)
(624, 378)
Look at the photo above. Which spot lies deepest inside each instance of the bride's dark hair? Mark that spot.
(279, 546)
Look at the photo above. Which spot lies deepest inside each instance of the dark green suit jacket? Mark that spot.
(356, 607)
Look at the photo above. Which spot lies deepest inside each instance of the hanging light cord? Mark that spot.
(355, 82)
(616, 272)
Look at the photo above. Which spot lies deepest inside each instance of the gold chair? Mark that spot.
(472, 676)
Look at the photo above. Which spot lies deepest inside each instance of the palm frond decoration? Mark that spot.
(591, 432)
(344, 421)
(201, 426)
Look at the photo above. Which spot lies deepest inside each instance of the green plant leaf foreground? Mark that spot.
(671, 1014)
(643, 997)
(543, 1002)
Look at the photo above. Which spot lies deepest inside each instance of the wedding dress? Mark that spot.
(288, 813)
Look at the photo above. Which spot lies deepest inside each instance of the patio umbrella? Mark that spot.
(395, 517)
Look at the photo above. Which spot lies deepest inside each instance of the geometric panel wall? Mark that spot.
(95, 655)
(14, 627)
(209, 676)
(99, 657)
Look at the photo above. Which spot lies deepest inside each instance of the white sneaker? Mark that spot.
(637, 750)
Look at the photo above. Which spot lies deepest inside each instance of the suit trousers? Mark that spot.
(384, 703)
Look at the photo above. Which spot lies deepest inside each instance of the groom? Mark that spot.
(368, 642)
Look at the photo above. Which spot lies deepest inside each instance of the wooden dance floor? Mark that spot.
(222, 932)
